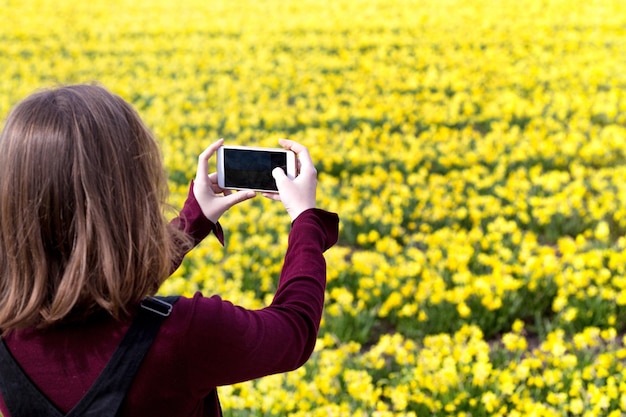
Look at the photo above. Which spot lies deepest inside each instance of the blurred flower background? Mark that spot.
(475, 151)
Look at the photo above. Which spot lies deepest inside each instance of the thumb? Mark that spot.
(221, 204)
(278, 173)
(279, 176)
(238, 197)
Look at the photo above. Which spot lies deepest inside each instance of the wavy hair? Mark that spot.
(82, 198)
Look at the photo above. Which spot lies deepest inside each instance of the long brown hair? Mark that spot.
(82, 193)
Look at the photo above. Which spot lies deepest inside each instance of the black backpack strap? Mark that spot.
(106, 395)
(19, 394)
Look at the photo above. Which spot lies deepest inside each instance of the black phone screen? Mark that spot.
(251, 169)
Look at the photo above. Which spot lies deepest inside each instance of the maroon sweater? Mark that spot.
(205, 343)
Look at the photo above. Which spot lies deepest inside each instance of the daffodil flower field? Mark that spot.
(475, 151)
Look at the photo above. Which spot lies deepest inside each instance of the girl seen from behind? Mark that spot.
(84, 241)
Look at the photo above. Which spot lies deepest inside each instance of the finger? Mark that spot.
(305, 163)
(203, 159)
(216, 188)
(290, 144)
(213, 183)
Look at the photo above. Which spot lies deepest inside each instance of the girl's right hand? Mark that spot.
(299, 194)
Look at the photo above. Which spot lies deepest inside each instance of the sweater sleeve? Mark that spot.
(192, 221)
(230, 344)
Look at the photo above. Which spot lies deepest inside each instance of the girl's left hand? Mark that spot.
(213, 200)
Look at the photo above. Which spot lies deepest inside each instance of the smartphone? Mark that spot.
(250, 168)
